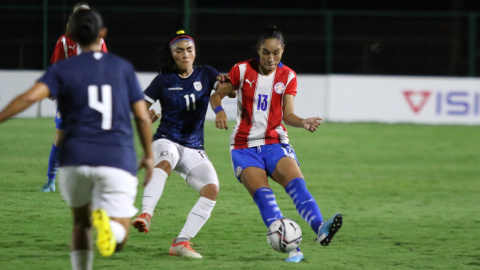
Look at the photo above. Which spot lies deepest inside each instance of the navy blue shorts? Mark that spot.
(264, 157)
(58, 120)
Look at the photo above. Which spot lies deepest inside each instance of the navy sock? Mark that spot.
(304, 202)
(52, 164)
(265, 200)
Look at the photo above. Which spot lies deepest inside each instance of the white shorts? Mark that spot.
(184, 160)
(108, 188)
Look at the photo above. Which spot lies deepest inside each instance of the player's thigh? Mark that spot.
(76, 184)
(245, 158)
(250, 168)
(202, 175)
(115, 191)
(254, 178)
(282, 164)
(165, 150)
(195, 167)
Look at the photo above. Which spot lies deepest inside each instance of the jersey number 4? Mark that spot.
(105, 106)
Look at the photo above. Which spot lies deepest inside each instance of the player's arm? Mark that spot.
(151, 113)
(142, 121)
(221, 79)
(38, 92)
(311, 124)
(216, 104)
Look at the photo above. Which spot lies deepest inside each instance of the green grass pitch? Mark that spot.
(409, 194)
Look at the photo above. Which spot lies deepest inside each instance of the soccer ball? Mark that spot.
(284, 235)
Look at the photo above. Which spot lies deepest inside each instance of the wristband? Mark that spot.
(218, 108)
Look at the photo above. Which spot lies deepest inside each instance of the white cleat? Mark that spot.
(295, 256)
(183, 249)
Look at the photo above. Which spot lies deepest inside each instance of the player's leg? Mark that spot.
(200, 174)
(113, 200)
(53, 161)
(287, 173)
(75, 188)
(166, 157)
(81, 255)
(249, 169)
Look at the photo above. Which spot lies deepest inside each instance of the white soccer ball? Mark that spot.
(284, 235)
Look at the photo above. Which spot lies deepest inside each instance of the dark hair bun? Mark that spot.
(270, 32)
(85, 25)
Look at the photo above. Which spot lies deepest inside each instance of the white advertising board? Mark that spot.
(423, 100)
(13, 84)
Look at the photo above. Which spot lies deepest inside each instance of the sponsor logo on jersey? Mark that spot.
(279, 88)
(165, 153)
(238, 171)
(176, 88)
(197, 86)
(249, 82)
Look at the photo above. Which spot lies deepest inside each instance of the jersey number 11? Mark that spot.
(187, 99)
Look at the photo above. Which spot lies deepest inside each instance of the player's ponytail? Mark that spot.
(270, 32)
(85, 25)
(165, 61)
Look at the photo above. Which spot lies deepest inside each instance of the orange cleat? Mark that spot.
(183, 249)
(142, 222)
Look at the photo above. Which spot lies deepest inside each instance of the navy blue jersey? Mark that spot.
(184, 103)
(95, 92)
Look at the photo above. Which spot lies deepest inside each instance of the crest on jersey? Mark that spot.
(238, 171)
(197, 86)
(279, 88)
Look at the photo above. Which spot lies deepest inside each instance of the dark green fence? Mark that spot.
(330, 39)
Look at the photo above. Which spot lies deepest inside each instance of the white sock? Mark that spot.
(81, 259)
(198, 216)
(153, 191)
(118, 231)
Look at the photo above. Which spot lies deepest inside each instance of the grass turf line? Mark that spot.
(408, 193)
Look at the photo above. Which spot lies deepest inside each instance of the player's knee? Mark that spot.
(210, 191)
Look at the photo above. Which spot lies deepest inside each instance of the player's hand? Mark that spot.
(147, 164)
(153, 115)
(221, 120)
(222, 78)
(311, 124)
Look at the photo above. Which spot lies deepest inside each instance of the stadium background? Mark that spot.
(408, 192)
(436, 38)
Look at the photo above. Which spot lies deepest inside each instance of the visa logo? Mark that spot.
(452, 102)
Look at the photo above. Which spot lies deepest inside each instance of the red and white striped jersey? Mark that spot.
(67, 48)
(260, 104)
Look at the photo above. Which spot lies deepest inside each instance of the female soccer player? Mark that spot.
(66, 47)
(183, 91)
(96, 93)
(259, 142)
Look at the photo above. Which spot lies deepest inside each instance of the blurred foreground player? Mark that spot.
(96, 93)
(259, 141)
(66, 47)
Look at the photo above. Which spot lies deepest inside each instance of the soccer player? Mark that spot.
(259, 142)
(183, 91)
(66, 47)
(96, 93)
